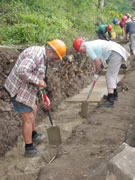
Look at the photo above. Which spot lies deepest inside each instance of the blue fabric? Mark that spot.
(95, 49)
(115, 21)
(130, 28)
(19, 107)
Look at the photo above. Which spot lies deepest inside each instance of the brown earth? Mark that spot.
(93, 143)
(85, 152)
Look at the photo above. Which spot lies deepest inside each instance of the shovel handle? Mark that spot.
(93, 84)
(90, 91)
(50, 118)
(48, 107)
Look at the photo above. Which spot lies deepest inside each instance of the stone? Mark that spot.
(122, 165)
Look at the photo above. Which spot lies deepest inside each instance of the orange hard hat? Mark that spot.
(124, 18)
(77, 43)
(109, 28)
(58, 46)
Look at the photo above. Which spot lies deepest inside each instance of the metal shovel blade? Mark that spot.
(85, 105)
(53, 132)
(54, 136)
(84, 109)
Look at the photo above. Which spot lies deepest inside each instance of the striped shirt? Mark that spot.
(29, 68)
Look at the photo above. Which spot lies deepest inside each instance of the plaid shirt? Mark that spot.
(29, 68)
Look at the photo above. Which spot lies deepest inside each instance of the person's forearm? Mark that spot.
(98, 67)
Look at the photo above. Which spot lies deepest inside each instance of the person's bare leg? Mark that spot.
(36, 138)
(110, 91)
(34, 113)
(28, 119)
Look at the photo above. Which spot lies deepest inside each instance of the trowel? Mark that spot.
(84, 105)
(53, 132)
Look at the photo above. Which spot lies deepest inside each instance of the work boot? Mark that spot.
(106, 103)
(31, 152)
(109, 102)
(115, 95)
(105, 97)
(37, 139)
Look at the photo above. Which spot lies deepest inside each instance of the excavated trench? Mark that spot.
(86, 142)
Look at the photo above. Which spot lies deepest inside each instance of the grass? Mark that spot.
(36, 22)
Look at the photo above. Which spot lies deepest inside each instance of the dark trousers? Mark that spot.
(102, 36)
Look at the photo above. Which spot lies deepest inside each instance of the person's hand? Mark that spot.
(95, 77)
(41, 84)
(45, 102)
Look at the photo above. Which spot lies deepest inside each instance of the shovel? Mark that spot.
(53, 132)
(84, 105)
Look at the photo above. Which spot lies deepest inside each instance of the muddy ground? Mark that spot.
(87, 143)
(93, 143)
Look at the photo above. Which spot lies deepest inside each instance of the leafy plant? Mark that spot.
(36, 22)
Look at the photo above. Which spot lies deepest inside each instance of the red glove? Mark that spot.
(46, 102)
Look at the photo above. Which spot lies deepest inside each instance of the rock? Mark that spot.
(122, 166)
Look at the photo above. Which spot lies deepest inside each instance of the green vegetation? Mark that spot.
(37, 21)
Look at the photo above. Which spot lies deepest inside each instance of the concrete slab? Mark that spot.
(98, 91)
(122, 166)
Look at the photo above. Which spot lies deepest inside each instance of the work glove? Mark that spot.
(45, 102)
(44, 99)
(95, 77)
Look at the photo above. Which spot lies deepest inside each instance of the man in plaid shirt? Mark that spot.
(23, 83)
